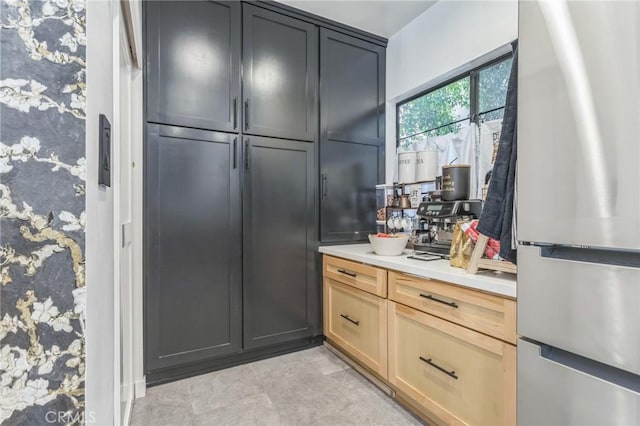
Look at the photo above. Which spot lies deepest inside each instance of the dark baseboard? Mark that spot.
(166, 375)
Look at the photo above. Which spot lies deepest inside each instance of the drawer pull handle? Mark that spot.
(433, 364)
(349, 319)
(351, 274)
(430, 297)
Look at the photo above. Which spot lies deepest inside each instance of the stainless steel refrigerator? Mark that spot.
(578, 213)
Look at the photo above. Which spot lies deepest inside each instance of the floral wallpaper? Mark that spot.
(42, 211)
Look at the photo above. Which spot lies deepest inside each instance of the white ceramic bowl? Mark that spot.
(388, 246)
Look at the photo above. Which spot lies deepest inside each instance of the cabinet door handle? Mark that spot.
(324, 186)
(430, 297)
(436, 366)
(246, 114)
(349, 319)
(246, 154)
(235, 113)
(351, 274)
(235, 153)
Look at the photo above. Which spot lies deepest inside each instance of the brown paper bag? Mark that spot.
(461, 248)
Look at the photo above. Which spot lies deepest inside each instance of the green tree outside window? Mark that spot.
(447, 108)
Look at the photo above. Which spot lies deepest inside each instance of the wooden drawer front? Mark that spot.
(364, 277)
(357, 322)
(492, 315)
(457, 374)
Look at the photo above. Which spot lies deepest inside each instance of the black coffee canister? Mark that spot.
(456, 180)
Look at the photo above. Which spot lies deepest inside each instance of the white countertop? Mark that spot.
(494, 282)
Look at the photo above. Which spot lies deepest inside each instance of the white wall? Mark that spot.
(446, 37)
(100, 335)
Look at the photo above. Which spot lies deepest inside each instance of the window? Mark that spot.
(492, 90)
(478, 96)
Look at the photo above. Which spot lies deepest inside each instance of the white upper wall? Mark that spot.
(445, 37)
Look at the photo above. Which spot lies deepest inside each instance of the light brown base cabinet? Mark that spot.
(356, 321)
(486, 313)
(355, 311)
(447, 351)
(459, 375)
(363, 277)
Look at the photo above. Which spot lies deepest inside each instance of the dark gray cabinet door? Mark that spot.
(193, 64)
(352, 78)
(348, 179)
(280, 73)
(352, 135)
(193, 287)
(279, 290)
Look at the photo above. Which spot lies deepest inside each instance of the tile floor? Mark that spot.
(310, 387)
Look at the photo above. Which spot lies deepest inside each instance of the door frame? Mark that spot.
(133, 19)
(123, 67)
(127, 38)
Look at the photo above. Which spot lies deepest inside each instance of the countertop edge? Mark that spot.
(501, 286)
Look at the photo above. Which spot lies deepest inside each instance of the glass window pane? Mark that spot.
(421, 141)
(492, 115)
(434, 109)
(492, 88)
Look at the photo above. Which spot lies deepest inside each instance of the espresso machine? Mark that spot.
(437, 223)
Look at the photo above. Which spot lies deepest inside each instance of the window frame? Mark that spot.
(474, 101)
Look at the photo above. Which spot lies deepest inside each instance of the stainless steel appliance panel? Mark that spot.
(552, 392)
(579, 123)
(585, 308)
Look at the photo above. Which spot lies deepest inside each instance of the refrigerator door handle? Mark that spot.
(590, 367)
(626, 258)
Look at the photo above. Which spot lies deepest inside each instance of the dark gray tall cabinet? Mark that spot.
(280, 75)
(232, 176)
(193, 251)
(352, 73)
(279, 303)
(193, 64)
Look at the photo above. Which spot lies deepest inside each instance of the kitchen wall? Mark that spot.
(42, 211)
(442, 41)
(58, 334)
